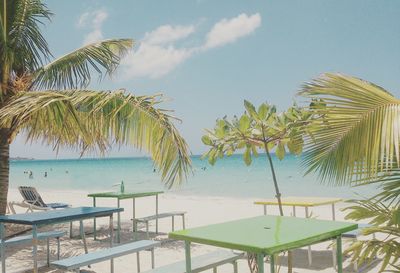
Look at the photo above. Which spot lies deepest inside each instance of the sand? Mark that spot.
(201, 210)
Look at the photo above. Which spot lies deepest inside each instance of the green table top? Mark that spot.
(265, 234)
(124, 195)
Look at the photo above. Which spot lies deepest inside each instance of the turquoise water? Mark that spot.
(229, 177)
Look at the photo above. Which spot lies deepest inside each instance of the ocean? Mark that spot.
(229, 177)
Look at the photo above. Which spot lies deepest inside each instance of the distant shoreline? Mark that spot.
(21, 158)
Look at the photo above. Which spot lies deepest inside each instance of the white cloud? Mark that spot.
(167, 34)
(229, 30)
(157, 54)
(94, 21)
(153, 61)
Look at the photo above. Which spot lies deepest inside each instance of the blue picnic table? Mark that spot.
(38, 219)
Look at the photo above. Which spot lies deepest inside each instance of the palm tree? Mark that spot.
(359, 134)
(357, 141)
(47, 99)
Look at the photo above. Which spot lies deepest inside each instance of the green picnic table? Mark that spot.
(121, 196)
(266, 236)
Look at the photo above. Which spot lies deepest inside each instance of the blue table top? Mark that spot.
(58, 216)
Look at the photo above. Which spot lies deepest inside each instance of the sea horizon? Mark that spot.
(229, 177)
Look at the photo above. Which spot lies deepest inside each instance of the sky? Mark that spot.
(207, 56)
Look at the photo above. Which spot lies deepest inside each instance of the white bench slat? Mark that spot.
(104, 255)
(160, 215)
(200, 263)
(28, 238)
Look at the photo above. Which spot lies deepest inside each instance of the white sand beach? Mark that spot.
(201, 211)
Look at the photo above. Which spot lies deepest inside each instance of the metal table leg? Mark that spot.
(34, 245)
(2, 249)
(83, 236)
(188, 258)
(333, 212)
(119, 222)
(94, 220)
(157, 213)
(309, 247)
(260, 263)
(134, 219)
(265, 209)
(111, 240)
(339, 257)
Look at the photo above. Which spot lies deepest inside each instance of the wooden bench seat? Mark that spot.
(147, 219)
(26, 239)
(74, 263)
(203, 262)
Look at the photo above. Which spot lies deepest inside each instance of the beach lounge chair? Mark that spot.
(33, 201)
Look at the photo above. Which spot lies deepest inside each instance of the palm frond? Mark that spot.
(74, 69)
(24, 37)
(358, 133)
(94, 119)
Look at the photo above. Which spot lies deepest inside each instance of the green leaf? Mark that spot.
(247, 156)
(207, 140)
(250, 109)
(280, 151)
(254, 150)
(244, 123)
(263, 111)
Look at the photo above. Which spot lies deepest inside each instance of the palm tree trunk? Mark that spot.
(4, 168)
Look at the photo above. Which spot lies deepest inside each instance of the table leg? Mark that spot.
(133, 219)
(333, 212)
(157, 213)
(309, 247)
(94, 220)
(294, 211)
(111, 240)
(34, 245)
(83, 236)
(188, 258)
(339, 258)
(260, 263)
(265, 209)
(2, 249)
(119, 222)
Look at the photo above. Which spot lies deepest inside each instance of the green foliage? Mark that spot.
(357, 136)
(257, 129)
(385, 227)
(356, 140)
(47, 103)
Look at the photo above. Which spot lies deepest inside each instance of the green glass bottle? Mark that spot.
(122, 187)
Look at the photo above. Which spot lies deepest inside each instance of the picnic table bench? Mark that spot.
(40, 236)
(76, 262)
(203, 262)
(147, 219)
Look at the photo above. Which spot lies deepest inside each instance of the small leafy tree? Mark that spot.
(258, 129)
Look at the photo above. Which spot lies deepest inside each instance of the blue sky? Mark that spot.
(207, 56)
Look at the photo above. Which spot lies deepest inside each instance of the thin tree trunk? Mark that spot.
(278, 197)
(4, 168)
(277, 192)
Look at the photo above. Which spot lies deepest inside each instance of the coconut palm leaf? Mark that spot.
(22, 44)
(91, 120)
(74, 69)
(358, 134)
